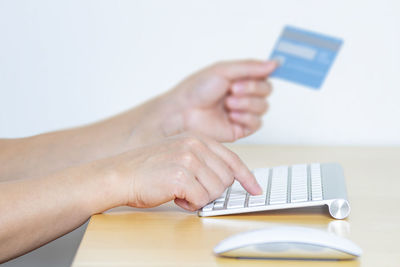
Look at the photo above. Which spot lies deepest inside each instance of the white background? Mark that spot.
(67, 63)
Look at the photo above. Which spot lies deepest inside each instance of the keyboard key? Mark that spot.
(237, 189)
(315, 169)
(220, 199)
(299, 169)
(219, 205)
(236, 203)
(256, 201)
(280, 200)
(316, 194)
(208, 207)
(298, 198)
(237, 196)
(317, 197)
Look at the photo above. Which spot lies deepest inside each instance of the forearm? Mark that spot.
(36, 211)
(46, 153)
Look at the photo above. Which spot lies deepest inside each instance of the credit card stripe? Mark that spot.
(332, 44)
(296, 50)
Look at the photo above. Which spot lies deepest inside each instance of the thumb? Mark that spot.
(242, 69)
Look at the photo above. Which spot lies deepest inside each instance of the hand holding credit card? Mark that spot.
(305, 57)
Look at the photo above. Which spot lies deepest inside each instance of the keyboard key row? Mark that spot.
(279, 181)
(299, 183)
(304, 180)
(316, 183)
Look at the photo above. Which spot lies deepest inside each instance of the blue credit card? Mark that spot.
(305, 57)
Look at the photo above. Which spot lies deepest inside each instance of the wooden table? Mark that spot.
(168, 236)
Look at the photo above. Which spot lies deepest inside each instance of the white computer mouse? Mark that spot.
(288, 243)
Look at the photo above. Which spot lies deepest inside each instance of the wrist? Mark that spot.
(101, 188)
(159, 118)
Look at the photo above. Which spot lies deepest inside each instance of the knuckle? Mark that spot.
(187, 158)
(180, 176)
(191, 141)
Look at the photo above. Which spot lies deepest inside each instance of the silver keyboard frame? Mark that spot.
(333, 193)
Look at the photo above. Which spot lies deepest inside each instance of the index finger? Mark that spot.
(240, 170)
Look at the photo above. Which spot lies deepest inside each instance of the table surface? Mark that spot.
(169, 236)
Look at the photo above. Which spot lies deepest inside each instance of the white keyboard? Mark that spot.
(284, 187)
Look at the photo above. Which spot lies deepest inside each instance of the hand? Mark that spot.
(224, 101)
(190, 170)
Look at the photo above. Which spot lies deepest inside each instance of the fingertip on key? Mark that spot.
(257, 190)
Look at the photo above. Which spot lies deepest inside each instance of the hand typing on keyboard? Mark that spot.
(191, 170)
